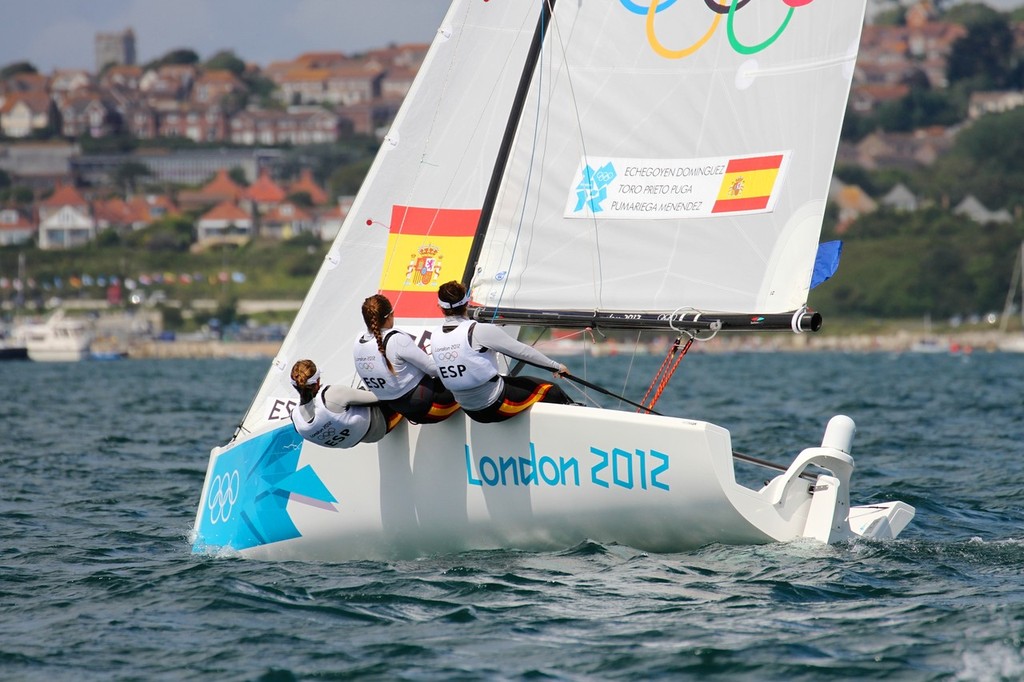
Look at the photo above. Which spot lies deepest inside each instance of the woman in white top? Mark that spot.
(467, 362)
(398, 371)
(337, 416)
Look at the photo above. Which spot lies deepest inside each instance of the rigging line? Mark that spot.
(599, 389)
(504, 149)
(598, 280)
(526, 181)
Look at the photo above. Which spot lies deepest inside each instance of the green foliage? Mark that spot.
(984, 57)
(302, 199)
(926, 262)
(987, 160)
(238, 175)
(920, 108)
(225, 60)
(14, 68)
(179, 56)
(172, 234)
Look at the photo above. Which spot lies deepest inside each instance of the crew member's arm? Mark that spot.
(404, 346)
(337, 398)
(490, 336)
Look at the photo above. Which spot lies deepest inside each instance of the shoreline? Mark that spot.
(898, 342)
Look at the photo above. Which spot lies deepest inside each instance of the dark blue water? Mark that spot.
(103, 464)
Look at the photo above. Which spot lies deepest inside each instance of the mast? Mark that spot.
(516, 112)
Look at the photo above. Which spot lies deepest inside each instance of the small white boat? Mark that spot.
(57, 339)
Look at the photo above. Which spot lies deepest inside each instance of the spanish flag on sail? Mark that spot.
(748, 184)
(426, 247)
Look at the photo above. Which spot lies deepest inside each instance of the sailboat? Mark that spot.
(578, 164)
(1013, 343)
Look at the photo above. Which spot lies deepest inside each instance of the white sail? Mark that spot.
(656, 100)
(435, 161)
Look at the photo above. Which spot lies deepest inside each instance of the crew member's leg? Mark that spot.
(428, 402)
(520, 393)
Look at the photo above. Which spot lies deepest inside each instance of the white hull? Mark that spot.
(51, 353)
(545, 480)
(58, 339)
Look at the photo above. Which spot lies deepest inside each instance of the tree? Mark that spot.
(127, 175)
(225, 60)
(179, 56)
(984, 56)
(14, 68)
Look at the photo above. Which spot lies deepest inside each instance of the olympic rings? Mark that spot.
(719, 8)
(223, 500)
(446, 355)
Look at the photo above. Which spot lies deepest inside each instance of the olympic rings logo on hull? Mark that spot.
(728, 9)
(222, 496)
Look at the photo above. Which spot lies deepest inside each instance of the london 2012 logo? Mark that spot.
(719, 9)
(222, 496)
(593, 187)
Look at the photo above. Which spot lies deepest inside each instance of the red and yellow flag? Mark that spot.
(426, 247)
(748, 184)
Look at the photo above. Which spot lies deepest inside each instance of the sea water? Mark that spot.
(103, 464)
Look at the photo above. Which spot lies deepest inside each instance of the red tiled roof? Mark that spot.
(307, 184)
(228, 210)
(285, 213)
(64, 195)
(223, 186)
(265, 190)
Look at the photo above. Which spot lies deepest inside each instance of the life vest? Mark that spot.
(373, 370)
(460, 366)
(330, 429)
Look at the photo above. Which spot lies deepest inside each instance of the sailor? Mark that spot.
(466, 354)
(337, 416)
(398, 371)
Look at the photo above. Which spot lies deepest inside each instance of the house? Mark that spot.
(65, 219)
(122, 77)
(307, 185)
(88, 113)
(24, 113)
(169, 82)
(225, 224)
(900, 198)
(396, 82)
(265, 194)
(911, 151)
(64, 82)
(852, 202)
(213, 86)
(67, 228)
(16, 227)
(298, 126)
(979, 213)
(286, 220)
(993, 102)
(221, 189)
(330, 222)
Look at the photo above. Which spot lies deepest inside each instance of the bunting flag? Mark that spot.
(748, 184)
(426, 248)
